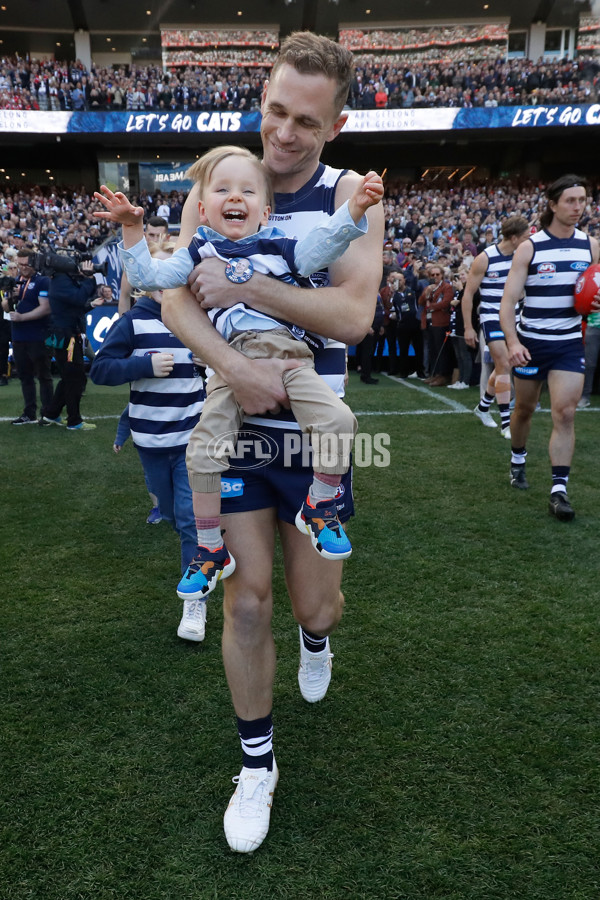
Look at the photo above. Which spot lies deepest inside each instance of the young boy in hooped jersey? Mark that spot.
(235, 202)
(165, 401)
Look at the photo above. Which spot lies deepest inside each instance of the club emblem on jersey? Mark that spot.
(239, 270)
(546, 270)
(298, 332)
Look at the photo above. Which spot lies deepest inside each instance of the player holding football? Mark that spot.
(547, 343)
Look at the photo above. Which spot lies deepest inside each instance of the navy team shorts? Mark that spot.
(546, 356)
(271, 468)
(492, 331)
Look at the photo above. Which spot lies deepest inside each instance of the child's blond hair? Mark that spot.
(201, 171)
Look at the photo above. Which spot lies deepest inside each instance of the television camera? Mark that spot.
(49, 262)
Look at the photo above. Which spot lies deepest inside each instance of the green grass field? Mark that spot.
(455, 755)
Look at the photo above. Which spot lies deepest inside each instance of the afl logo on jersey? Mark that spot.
(546, 270)
(493, 274)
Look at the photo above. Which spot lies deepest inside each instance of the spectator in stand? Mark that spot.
(408, 329)
(435, 303)
(464, 354)
(381, 96)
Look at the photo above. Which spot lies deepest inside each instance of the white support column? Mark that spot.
(83, 48)
(537, 40)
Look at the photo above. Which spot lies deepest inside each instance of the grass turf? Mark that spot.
(455, 755)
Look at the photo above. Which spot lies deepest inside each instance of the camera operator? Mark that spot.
(71, 293)
(29, 309)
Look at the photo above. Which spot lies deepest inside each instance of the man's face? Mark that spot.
(298, 118)
(156, 233)
(25, 270)
(570, 206)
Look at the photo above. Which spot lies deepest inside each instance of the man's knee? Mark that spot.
(247, 610)
(563, 415)
(321, 619)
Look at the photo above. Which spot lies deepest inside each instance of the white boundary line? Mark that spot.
(455, 406)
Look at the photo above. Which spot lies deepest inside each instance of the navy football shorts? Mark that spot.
(271, 468)
(546, 356)
(492, 331)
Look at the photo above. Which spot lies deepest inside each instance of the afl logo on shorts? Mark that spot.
(546, 270)
(341, 490)
(249, 450)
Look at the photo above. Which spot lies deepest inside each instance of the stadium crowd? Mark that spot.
(447, 223)
(386, 80)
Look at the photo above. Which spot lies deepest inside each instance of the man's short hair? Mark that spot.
(314, 54)
(26, 252)
(514, 226)
(158, 222)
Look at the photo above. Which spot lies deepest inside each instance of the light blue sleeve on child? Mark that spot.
(149, 274)
(326, 243)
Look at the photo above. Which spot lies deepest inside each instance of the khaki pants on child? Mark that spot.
(318, 411)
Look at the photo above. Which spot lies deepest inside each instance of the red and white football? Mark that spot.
(586, 288)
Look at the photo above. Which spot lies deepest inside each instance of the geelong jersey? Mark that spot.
(297, 214)
(492, 284)
(162, 411)
(548, 312)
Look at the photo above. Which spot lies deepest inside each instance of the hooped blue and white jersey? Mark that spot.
(548, 312)
(162, 411)
(297, 214)
(492, 283)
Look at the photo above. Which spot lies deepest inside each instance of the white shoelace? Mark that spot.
(250, 807)
(194, 612)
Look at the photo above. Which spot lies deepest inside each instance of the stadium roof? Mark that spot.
(40, 27)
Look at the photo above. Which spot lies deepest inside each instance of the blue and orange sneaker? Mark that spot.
(204, 571)
(325, 530)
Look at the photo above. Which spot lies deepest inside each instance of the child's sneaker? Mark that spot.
(324, 528)
(204, 571)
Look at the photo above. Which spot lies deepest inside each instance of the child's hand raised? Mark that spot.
(368, 193)
(118, 208)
